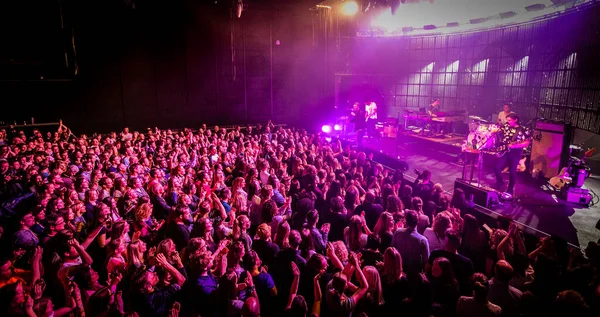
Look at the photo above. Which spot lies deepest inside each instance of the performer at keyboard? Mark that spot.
(434, 108)
(505, 112)
(371, 118)
(513, 139)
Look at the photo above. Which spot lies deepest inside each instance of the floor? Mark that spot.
(536, 207)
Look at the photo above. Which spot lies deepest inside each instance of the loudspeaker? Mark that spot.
(550, 148)
(482, 196)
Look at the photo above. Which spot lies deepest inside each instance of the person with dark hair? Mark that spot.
(281, 272)
(463, 267)
(502, 294)
(478, 305)
(261, 281)
(319, 237)
(506, 110)
(513, 139)
(199, 294)
(337, 218)
(370, 208)
(413, 247)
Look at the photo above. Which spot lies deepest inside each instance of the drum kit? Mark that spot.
(480, 139)
(480, 136)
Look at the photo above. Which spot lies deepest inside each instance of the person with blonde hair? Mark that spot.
(384, 229)
(373, 301)
(436, 234)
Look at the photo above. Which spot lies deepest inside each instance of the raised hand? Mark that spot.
(295, 269)
(161, 259)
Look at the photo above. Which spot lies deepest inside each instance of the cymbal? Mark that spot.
(476, 118)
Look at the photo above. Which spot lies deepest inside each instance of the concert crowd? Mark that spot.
(264, 221)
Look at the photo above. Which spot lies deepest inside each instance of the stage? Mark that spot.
(536, 207)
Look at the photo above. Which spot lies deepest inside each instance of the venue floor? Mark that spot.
(537, 208)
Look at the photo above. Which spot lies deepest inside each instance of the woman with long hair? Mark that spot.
(354, 236)
(351, 199)
(282, 234)
(474, 243)
(203, 228)
(394, 283)
(373, 301)
(384, 229)
(135, 255)
(444, 285)
(395, 207)
(436, 235)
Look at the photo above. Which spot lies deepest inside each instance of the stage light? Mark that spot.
(506, 15)
(477, 21)
(349, 8)
(429, 27)
(407, 29)
(395, 5)
(239, 7)
(326, 128)
(337, 127)
(535, 7)
(452, 24)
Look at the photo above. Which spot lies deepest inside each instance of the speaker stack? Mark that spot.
(550, 149)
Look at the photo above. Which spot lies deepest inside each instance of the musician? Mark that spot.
(513, 139)
(432, 111)
(371, 117)
(505, 112)
(434, 108)
(358, 117)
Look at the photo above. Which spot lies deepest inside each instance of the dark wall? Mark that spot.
(180, 63)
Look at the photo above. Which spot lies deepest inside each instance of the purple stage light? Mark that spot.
(337, 127)
(326, 128)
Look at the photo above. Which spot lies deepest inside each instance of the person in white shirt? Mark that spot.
(371, 117)
(502, 115)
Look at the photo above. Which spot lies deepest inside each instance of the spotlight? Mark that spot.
(477, 21)
(429, 27)
(337, 127)
(326, 128)
(395, 6)
(452, 24)
(238, 7)
(506, 15)
(535, 7)
(349, 8)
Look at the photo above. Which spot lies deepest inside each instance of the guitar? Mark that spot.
(563, 178)
(559, 181)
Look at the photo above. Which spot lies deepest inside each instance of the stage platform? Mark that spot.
(536, 207)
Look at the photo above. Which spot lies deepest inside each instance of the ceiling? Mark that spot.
(469, 14)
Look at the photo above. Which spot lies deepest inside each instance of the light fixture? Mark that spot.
(238, 7)
(477, 21)
(395, 5)
(326, 128)
(407, 29)
(452, 24)
(429, 27)
(349, 8)
(535, 7)
(506, 15)
(337, 127)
